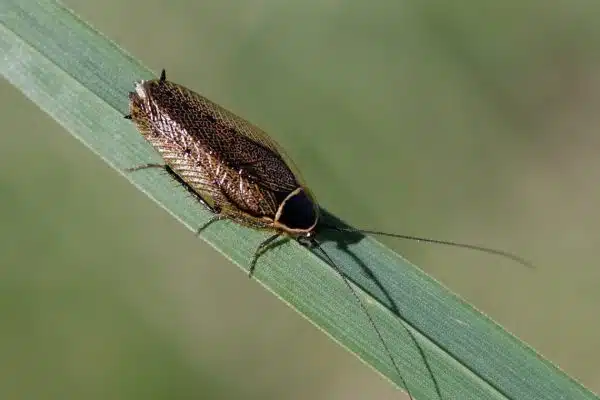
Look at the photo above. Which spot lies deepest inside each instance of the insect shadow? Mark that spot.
(343, 235)
(343, 239)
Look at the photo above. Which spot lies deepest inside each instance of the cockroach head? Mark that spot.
(307, 239)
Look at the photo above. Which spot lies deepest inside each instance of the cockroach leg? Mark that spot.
(169, 170)
(260, 250)
(144, 166)
(215, 218)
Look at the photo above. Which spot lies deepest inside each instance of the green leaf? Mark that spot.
(443, 346)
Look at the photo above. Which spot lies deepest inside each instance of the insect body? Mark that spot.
(230, 165)
(235, 170)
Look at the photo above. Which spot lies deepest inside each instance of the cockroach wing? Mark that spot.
(245, 145)
(218, 153)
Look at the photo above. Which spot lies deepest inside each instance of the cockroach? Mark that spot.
(238, 172)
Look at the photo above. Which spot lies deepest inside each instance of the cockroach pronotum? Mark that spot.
(238, 172)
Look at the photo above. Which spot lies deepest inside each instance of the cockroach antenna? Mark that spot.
(388, 351)
(482, 249)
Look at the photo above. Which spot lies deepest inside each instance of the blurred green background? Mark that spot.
(455, 120)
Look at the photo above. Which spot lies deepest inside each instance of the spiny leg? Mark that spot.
(260, 250)
(215, 218)
(144, 166)
(214, 209)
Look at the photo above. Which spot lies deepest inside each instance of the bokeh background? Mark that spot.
(466, 120)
